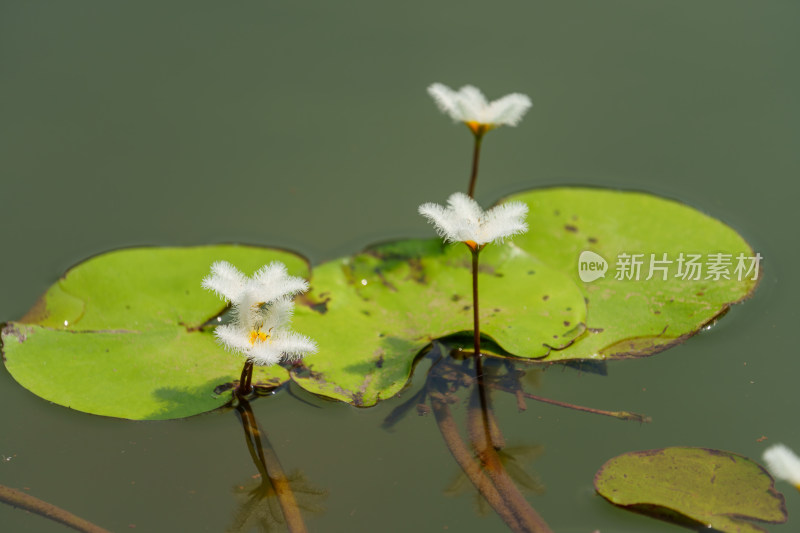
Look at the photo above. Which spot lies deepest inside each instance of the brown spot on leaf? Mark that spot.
(10, 330)
(545, 297)
(570, 227)
(37, 313)
(386, 283)
(219, 389)
(592, 240)
(320, 305)
(566, 323)
(417, 271)
(487, 269)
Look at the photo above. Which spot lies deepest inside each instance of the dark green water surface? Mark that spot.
(307, 126)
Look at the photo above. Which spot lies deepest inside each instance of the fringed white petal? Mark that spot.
(464, 207)
(278, 314)
(262, 309)
(468, 104)
(446, 226)
(504, 221)
(445, 99)
(294, 345)
(272, 282)
(471, 104)
(282, 345)
(509, 109)
(265, 354)
(783, 463)
(464, 221)
(233, 338)
(225, 280)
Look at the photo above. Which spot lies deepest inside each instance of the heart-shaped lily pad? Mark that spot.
(372, 313)
(696, 487)
(632, 317)
(120, 334)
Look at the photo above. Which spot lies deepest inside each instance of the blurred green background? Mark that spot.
(307, 126)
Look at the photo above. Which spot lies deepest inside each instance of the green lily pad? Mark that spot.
(133, 319)
(372, 314)
(629, 317)
(696, 487)
(121, 334)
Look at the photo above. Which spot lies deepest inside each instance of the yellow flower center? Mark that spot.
(478, 128)
(259, 335)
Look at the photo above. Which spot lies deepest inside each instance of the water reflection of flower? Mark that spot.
(513, 459)
(259, 508)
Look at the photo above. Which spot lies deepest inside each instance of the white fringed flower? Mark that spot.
(468, 105)
(464, 221)
(783, 463)
(262, 309)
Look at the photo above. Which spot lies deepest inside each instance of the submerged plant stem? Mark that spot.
(477, 418)
(19, 499)
(470, 467)
(498, 489)
(476, 154)
(476, 339)
(622, 415)
(269, 467)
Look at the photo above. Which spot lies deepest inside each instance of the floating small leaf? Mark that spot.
(695, 487)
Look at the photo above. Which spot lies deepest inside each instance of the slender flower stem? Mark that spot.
(246, 380)
(16, 498)
(266, 461)
(476, 154)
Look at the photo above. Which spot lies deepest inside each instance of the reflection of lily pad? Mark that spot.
(372, 313)
(695, 487)
(119, 334)
(630, 318)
